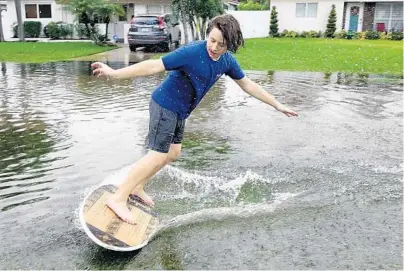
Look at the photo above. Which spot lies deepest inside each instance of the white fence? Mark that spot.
(254, 24)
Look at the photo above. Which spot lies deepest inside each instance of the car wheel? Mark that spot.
(166, 47)
(178, 42)
(132, 48)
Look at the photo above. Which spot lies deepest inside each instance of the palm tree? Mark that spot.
(107, 10)
(85, 11)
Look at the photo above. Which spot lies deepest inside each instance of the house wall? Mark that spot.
(287, 15)
(8, 20)
(5, 29)
(58, 13)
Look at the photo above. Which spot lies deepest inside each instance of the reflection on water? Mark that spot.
(63, 130)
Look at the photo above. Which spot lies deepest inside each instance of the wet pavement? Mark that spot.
(253, 189)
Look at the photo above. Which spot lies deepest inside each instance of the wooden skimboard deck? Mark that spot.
(107, 230)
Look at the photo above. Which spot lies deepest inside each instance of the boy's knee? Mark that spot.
(173, 155)
(158, 158)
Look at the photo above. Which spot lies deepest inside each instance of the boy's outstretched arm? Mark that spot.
(144, 68)
(258, 92)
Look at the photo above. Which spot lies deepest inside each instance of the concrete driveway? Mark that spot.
(122, 54)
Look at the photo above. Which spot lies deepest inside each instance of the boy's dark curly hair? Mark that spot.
(230, 28)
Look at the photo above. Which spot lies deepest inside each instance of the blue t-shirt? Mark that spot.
(192, 74)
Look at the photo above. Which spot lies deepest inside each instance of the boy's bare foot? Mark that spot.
(121, 210)
(143, 196)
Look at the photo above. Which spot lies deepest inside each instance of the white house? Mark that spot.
(302, 15)
(47, 11)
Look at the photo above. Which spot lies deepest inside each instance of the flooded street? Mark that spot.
(252, 189)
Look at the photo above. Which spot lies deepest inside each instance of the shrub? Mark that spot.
(291, 34)
(251, 5)
(304, 34)
(32, 29)
(58, 30)
(397, 36)
(284, 33)
(360, 35)
(312, 34)
(372, 35)
(340, 35)
(81, 30)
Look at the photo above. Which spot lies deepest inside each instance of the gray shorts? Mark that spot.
(165, 128)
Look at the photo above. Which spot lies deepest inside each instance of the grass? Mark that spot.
(36, 52)
(267, 54)
(322, 55)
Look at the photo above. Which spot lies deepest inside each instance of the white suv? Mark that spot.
(152, 30)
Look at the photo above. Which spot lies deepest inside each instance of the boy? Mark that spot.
(194, 69)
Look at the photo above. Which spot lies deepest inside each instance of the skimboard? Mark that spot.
(106, 229)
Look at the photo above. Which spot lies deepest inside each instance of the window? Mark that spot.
(30, 11)
(306, 10)
(390, 15)
(45, 11)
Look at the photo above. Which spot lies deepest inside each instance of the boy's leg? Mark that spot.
(174, 152)
(162, 128)
(147, 166)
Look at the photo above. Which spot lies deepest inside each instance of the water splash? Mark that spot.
(222, 213)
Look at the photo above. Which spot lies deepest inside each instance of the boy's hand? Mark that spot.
(288, 112)
(101, 69)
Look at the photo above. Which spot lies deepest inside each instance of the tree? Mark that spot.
(205, 10)
(181, 10)
(19, 20)
(86, 12)
(107, 10)
(273, 32)
(195, 14)
(253, 5)
(331, 25)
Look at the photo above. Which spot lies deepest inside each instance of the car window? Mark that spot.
(146, 21)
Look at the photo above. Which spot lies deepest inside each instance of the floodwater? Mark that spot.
(253, 189)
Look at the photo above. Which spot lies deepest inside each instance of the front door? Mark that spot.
(354, 18)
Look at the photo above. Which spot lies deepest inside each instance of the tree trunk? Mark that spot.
(203, 29)
(1, 28)
(184, 21)
(19, 19)
(107, 20)
(192, 31)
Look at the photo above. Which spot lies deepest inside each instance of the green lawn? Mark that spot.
(323, 55)
(35, 52)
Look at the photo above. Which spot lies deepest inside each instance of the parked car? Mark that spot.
(154, 29)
